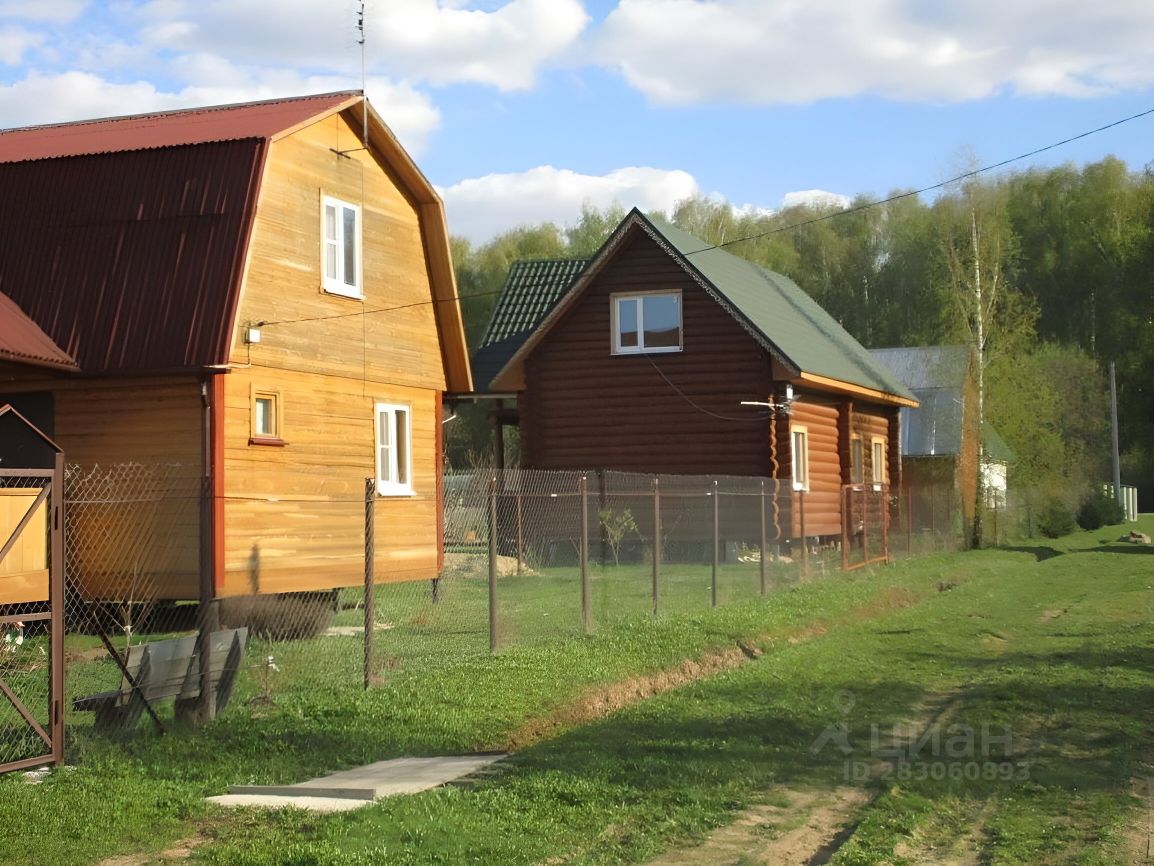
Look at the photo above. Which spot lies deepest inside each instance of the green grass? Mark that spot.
(1053, 641)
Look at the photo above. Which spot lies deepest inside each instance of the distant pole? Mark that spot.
(586, 613)
(656, 543)
(1114, 437)
(716, 546)
(493, 564)
(763, 548)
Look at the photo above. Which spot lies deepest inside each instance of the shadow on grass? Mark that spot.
(1040, 552)
(1117, 548)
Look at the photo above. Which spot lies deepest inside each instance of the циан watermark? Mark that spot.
(930, 751)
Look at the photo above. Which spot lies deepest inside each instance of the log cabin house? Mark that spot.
(640, 359)
(261, 293)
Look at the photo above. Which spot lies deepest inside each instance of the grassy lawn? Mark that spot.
(1049, 646)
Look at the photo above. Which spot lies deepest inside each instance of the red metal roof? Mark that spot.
(22, 340)
(263, 120)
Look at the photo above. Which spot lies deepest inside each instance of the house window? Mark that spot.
(856, 460)
(266, 419)
(341, 253)
(649, 322)
(394, 455)
(800, 439)
(878, 467)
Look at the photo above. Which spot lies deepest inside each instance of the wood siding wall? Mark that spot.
(819, 415)
(108, 423)
(294, 514)
(585, 408)
(397, 340)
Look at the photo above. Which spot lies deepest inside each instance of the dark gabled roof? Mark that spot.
(124, 239)
(23, 342)
(529, 293)
(775, 311)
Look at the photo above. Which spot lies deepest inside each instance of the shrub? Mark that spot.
(1099, 509)
(1055, 519)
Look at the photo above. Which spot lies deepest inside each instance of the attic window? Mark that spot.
(646, 322)
(341, 247)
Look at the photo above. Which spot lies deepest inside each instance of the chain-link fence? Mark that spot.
(523, 558)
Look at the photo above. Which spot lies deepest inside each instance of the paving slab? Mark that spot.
(352, 789)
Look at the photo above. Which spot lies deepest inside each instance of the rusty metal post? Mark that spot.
(865, 525)
(885, 523)
(716, 546)
(520, 532)
(804, 543)
(846, 517)
(909, 521)
(56, 602)
(656, 544)
(762, 547)
(370, 576)
(586, 612)
(493, 564)
(206, 613)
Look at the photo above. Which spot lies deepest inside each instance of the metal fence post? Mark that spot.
(846, 519)
(761, 538)
(801, 523)
(586, 613)
(520, 532)
(207, 615)
(493, 564)
(370, 574)
(656, 543)
(716, 546)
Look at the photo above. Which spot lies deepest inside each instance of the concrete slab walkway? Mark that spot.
(352, 789)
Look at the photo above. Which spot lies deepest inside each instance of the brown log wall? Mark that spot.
(585, 407)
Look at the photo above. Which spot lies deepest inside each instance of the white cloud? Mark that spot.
(796, 52)
(414, 40)
(482, 207)
(53, 11)
(14, 42)
(815, 198)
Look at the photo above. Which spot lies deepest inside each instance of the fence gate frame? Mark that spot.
(22, 444)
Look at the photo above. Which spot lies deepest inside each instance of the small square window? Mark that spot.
(649, 322)
(341, 250)
(266, 418)
(393, 451)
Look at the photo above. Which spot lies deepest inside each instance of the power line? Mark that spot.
(779, 230)
(916, 192)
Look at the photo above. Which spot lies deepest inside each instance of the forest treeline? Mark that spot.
(1049, 271)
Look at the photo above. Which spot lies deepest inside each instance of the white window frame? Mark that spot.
(615, 302)
(877, 467)
(800, 479)
(394, 475)
(335, 283)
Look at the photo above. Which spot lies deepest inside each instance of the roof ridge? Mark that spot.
(173, 112)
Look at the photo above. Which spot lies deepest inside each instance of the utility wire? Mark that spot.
(780, 229)
(915, 192)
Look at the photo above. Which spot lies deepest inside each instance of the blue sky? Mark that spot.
(523, 110)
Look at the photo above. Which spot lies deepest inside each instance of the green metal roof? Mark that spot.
(529, 293)
(776, 312)
(783, 315)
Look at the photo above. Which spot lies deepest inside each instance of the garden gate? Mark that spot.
(31, 595)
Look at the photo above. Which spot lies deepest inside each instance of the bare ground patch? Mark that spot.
(178, 852)
(1139, 834)
(798, 832)
(603, 701)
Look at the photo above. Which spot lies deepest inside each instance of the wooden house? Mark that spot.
(941, 459)
(260, 293)
(642, 359)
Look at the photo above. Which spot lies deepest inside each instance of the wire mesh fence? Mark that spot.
(524, 558)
